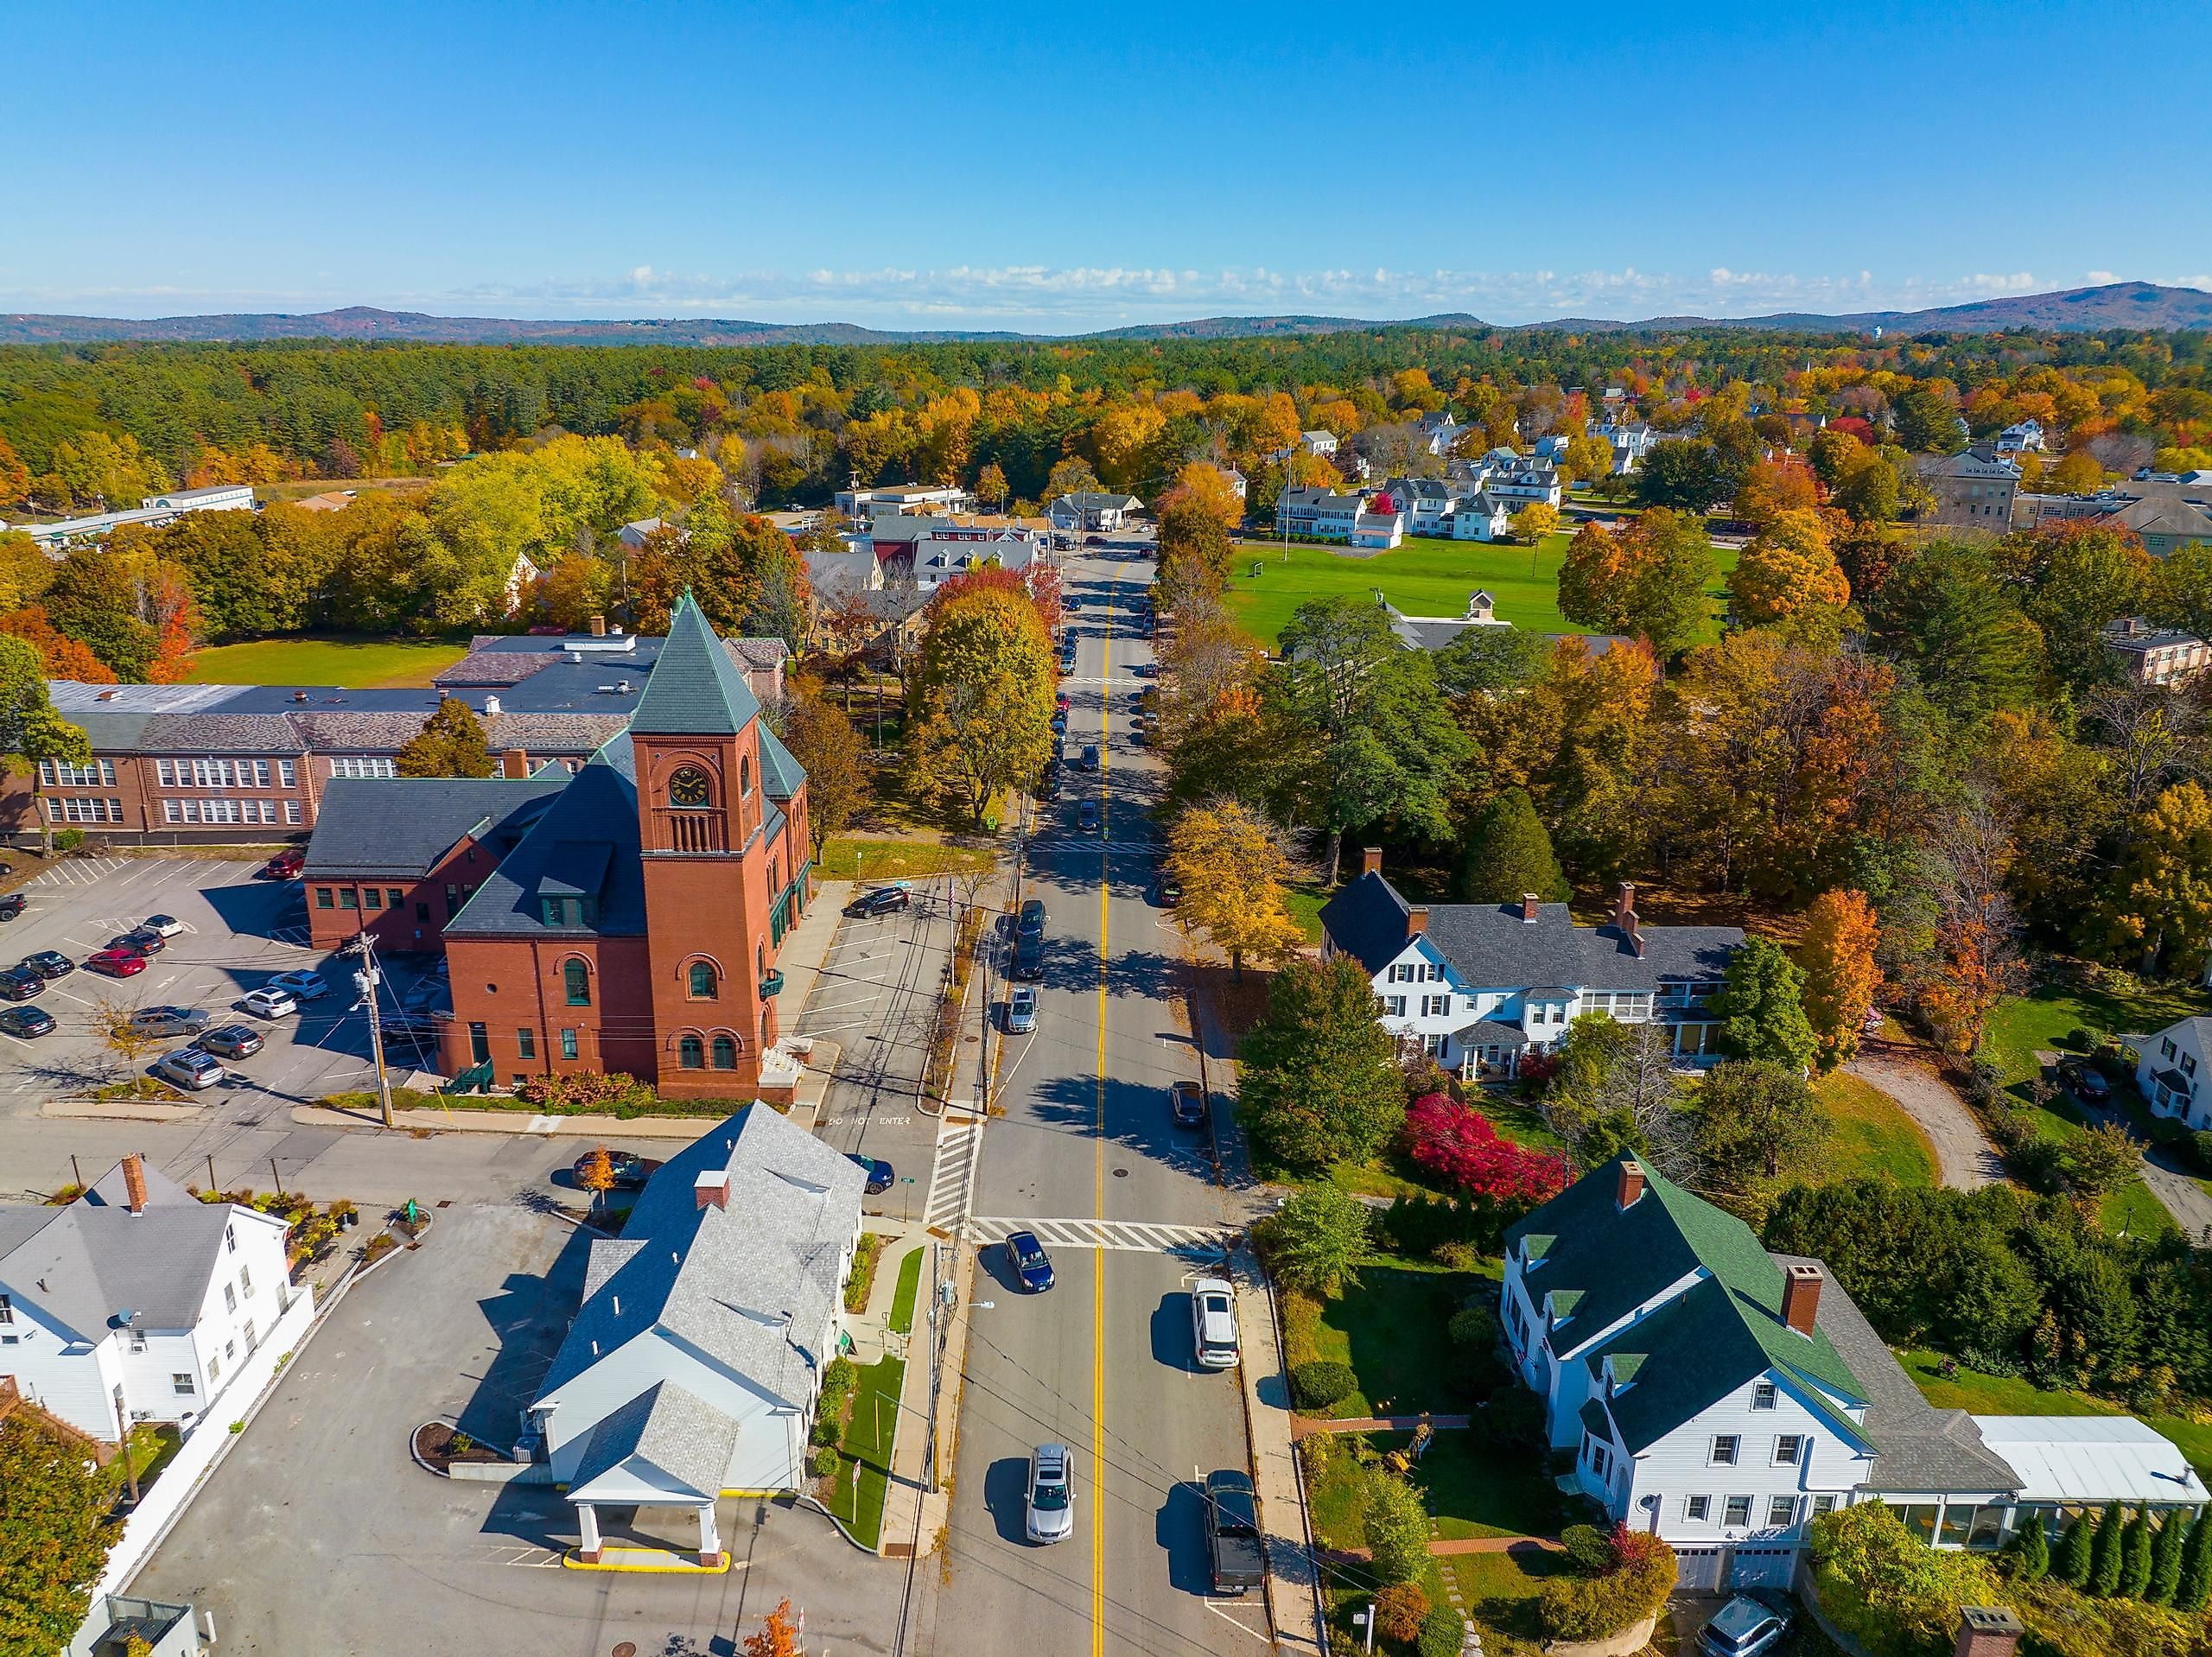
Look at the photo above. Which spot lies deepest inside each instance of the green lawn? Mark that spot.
(864, 1470)
(1500, 1590)
(1303, 903)
(1471, 1490)
(902, 1299)
(1391, 1331)
(1870, 1135)
(356, 663)
(1424, 577)
(896, 859)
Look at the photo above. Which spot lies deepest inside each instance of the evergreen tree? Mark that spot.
(2034, 1550)
(2165, 1560)
(1319, 1082)
(1508, 854)
(2105, 1560)
(2071, 1565)
(452, 744)
(1762, 1010)
(2195, 1567)
(2135, 1555)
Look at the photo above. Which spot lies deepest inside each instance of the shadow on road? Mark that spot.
(1181, 1530)
(1006, 1498)
(529, 1316)
(1171, 1334)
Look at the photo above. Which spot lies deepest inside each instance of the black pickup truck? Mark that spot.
(1233, 1533)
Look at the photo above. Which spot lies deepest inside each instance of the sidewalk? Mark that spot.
(915, 1520)
(1305, 1427)
(1294, 1608)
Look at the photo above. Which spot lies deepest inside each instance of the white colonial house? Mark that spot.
(1722, 1397)
(1482, 515)
(1094, 512)
(696, 1360)
(1631, 441)
(2024, 439)
(1480, 987)
(1427, 503)
(1523, 482)
(2170, 1068)
(138, 1299)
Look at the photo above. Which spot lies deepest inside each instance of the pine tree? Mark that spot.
(2165, 1560)
(2035, 1551)
(2195, 1567)
(2135, 1555)
(1508, 854)
(452, 743)
(2105, 1560)
(2071, 1565)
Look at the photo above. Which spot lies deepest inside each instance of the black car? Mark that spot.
(231, 1041)
(1233, 1533)
(2087, 1081)
(1029, 958)
(1187, 1101)
(47, 963)
(140, 940)
(25, 1022)
(1031, 923)
(884, 900)
(1033, 1267)
(879, 1175)
(12, 905)
(19, 984)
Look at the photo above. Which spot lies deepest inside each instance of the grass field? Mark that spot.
(355, 663)
(895, 860)
(864, 1470)
(1870, 1135)
(1391, 1331)
(1971, 1390)
(901, 1321)
(1424, 577)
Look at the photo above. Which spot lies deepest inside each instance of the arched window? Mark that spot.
(725, 1053)
(690, 788)
(703, 981)
(690, 1054)
(745, 774)
(760, 955)
(575, 977)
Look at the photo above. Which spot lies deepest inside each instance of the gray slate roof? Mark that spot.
(221, 734)
(748, 1284)
(780, 773)
(597, 807)
(695, 688)
(1490, 947)
(670, 1429)
(385, 825)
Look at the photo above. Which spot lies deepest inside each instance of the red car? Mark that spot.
(285, 866)
(115, 963)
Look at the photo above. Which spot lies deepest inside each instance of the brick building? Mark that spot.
(625, 919)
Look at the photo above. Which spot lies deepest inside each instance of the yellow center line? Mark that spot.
(1098, 1178)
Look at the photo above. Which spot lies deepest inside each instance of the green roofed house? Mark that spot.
(1722, 1397)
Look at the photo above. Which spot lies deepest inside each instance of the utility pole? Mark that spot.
(366, 980)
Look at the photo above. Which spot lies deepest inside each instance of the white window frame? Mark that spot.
(1781, 1512)
(1792, 1442)
(1697, 1510)
(1764, 1395)
(1729, 1517)
(1733, 1441)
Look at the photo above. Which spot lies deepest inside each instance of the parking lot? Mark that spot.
(236, 933)
(319, 1533)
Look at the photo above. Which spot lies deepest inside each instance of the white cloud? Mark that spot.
(2098, 278)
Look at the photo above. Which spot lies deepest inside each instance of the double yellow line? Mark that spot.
(1098, 1174)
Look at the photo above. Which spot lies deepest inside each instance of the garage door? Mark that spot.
(1761, 1567)
(1697, 1569)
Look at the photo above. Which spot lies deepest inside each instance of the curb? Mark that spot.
(802, 1499)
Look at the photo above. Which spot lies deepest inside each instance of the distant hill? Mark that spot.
(2115, 305)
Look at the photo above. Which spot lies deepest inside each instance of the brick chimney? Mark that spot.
(1624, 918)
(598, 626)
(711, 1188)
(1416, 920)
(514, 762)
(1800, 1297)
(1632, 1183)
(1370, 860)
(1986, 1631)
(134, 1182)
(1527, 909)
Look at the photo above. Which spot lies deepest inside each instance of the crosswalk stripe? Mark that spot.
(1047, 846)
(952, 1170)
(1126, 1237)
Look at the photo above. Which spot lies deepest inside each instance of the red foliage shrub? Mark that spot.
(1459, 1146)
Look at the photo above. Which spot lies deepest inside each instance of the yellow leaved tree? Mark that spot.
(1232, 866)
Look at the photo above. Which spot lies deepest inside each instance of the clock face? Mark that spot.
(687, 787)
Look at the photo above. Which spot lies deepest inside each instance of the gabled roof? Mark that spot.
(695, 690)
(672, 1432)
(394, 824)
(597, 808)
(780, 774)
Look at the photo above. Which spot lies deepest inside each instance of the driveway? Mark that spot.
(1964, 1156)
(319, 1534)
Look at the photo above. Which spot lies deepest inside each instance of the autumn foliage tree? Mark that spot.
(1459, 1145)
(777, 1636)
(451, 743)
(822, 740)
(1231, 864)
(1836, 955)
(55, 1532)
(984, 692)
(1788, 569)
(1648, 581)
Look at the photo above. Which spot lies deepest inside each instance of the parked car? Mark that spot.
(1233, 1533)
(1030, 924)
(231, 1041)
(1145, 669)
(1213, 1324)
(1086, 816)
(880, 1178)
(12, 905)
(25, 1023)
(2086, 1080)
(285, 866)
(1165, 892)
(1136, 734)
(269, 1002)
(1022, 1011)
(190, 1068)
(1072, 603)
(1186, 1102)
(20, 983)
(168, 925)
(1033, 1268)
(169, 1021)
(1060, 722)
(49, 964)
(1090, 760)
(115, 963)
(884, 900)
(300, 985)
(1029, 959)
(630, 1171)
(1051, 1494)
(1745, 1626)
(140, 940)
(1060, 700)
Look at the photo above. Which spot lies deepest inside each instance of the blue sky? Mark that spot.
(1053, 168)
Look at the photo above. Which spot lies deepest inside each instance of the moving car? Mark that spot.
(20, 983)
(1051, 1494)
(1233, 1533)
(168, 925)
(879, 1175)
(1086, 816)
(231, 1041)
(1745, 1626)
(26, 1022)
(1033, 1268)
(169, 1021)
(1090, 760)
(884, 900)
(630, 1173)
(190, 1068)
(1186, 1102)
(302, 985)
(12, 905)
(1022, 1011)
(115, 963)
(1213, 1324)
(269, 1003)
(48, 963)
(285, 866)
(140, 940)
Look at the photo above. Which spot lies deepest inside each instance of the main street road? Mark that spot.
(1102, 1363)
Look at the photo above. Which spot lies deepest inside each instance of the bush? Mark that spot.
(68, 840)
(1587, 1550)
(838, 1381)
(822, 1462)
(1443, 1633)
(1473, 1330)
(1317, 1385)
(1638, 1573)
(2039, 1165)
(1399, 1612)
(1515, 1420)
(2202, 1140)
(1396, 1526)
(1884, 1586)
(587, 1090)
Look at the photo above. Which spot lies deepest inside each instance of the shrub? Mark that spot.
(822, 1462)
(1442, 1633)
(1473, 1330)
(68, 840)
(1515, 1420)
(1884, 1586)
(1459, 1146)
(1396, 1526)
(1317, 1453)
(2106, 1562)
(2135, 1555)
(1458, 1256)
(2071, 1562)
(587, 1090)
(2203, 1139)
(1317, 1385)
(838, 1381)
(1316, 1241)
(1587, 1550)
(1636, 1572)
(1399, 1612)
